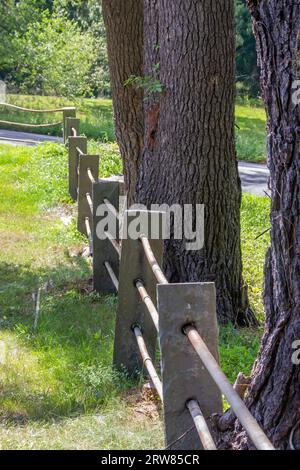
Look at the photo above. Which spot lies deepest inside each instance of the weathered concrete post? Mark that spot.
(71, 123)
(67, 112)
(77, 145)
(85, 184)
(183, 374)
(104, 250)
(131, 310)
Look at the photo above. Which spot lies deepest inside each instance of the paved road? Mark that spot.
(254, 176)
(24, 138)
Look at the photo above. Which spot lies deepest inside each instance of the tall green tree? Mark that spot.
(56, 58)
(15, 16)
(247, 72)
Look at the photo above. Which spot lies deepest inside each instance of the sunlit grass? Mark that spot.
(96, 117)
(251, 133)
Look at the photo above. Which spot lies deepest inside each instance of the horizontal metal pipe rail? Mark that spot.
(254, 431)
(114, 243)
(256, 434)
(88, 229)
(31, 126)
(148, 302)
(157, 271)
(28, 110)
(112, 209)
(147, 361)
(90, 175)
(201, 425)
(90, 202)
(112, 275)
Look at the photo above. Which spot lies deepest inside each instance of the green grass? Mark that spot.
(238, 348)
(96, 117)
(251, 133)
(97, 121)
(58, 389)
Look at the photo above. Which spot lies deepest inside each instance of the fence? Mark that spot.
(182, 316)
(67, 112)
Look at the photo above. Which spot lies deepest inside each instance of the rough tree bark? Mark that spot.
(124, 26)
(189, 149)
(274, 395)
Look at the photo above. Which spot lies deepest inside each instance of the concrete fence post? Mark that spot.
(103, 250)
(76, 145)
(85, 185)
(131, 310)
(71, 123)
(67, 112)
(183, 375)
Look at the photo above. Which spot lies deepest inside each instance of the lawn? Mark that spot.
(97, 121)
(58, 389)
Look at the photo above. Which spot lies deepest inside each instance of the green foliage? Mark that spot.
(255, 220)
(246, 60)
(238, 350)
(110, 161)
(15, 18)
(45, 44)
(18, 18)
(149, 84)
(57, 58)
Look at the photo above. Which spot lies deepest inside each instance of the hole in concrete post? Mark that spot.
(187, 325)
(136, 325)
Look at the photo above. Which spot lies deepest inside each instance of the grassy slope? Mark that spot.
(58, 389)
(96, 121)
(251, 133)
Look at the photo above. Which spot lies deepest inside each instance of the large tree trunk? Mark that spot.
(189, 149)
(124, 26)
(274, 396)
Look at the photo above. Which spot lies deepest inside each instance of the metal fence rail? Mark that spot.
(183, 315)
(112, 275)
(29, 110)
(147, 361)
(201, 425)
(67, 112)
(157, 271)
(256, 434)
(148, 303)
(239, 408)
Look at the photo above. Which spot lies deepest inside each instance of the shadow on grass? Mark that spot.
(64, 367)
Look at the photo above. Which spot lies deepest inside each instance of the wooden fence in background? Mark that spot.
(67, 112)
